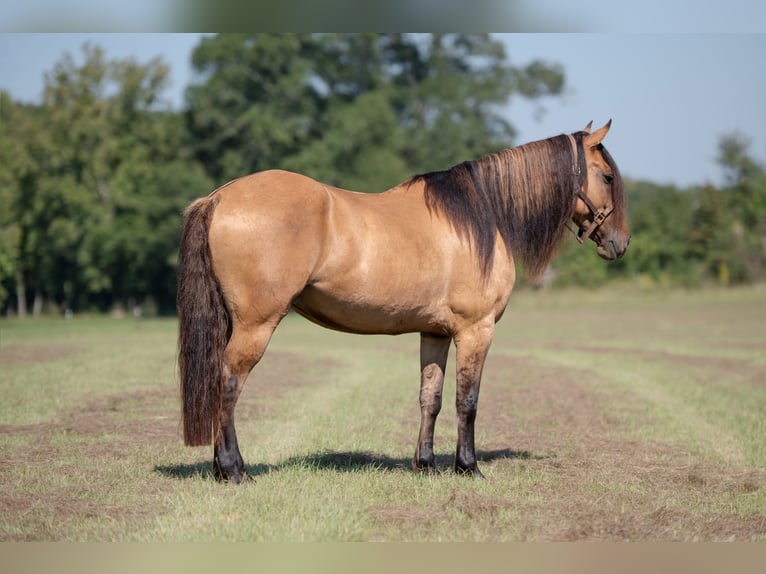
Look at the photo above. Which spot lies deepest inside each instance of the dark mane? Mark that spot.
(526, 193)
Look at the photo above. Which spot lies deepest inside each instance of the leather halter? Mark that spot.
(599, 215)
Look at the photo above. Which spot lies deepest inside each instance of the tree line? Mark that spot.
(94, 179)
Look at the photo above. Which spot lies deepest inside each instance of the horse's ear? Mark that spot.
(586, 129)
(593, 139)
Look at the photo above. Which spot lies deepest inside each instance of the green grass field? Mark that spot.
(613, 415)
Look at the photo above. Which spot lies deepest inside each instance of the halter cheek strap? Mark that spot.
(599, 215)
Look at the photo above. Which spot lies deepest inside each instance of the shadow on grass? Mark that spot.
(204, 470)
(346, 461)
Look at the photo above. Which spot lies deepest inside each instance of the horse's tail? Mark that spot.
(204, 327)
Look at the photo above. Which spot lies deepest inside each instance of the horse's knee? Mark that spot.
(431, 403)
(431, 389)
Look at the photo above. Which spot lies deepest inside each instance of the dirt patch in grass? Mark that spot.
(742, 369)
(20, 354)
(583, 476)
(86, 452)
(70, 479)
(61, 514)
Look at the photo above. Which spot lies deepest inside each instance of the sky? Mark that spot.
(671, 96)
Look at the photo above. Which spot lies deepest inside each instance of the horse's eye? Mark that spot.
(608, 178)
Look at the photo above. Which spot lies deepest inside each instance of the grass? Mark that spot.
(607, 415)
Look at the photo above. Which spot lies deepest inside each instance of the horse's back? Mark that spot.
(265, 191)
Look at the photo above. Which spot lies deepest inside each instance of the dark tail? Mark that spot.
(204, 327)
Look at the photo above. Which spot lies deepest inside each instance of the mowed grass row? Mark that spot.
(603, 416)
(695, 362)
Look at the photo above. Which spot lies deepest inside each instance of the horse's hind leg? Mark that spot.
(433, 359)
(244, 350)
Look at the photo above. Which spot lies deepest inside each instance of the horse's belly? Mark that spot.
(362, 313)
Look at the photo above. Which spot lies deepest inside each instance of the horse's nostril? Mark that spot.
(613, 248)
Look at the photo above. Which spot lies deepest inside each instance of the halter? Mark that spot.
(599, 215)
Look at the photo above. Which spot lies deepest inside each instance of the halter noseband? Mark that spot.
(599, 215)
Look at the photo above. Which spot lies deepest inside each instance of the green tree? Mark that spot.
(23, 142)
(709, 235)
(14, 166)
(450, 89)
(660, 216)
(103, 175)
(252, 104)
(358, 110)
(745, 202)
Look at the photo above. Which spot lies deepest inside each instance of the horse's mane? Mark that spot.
(527, 193)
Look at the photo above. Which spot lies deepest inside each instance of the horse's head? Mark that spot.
(601, 209)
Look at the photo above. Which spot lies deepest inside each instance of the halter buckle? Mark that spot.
(598, 218)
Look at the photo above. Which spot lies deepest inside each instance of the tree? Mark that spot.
(253, 103)
(14, 164)
(102, 174)
(451, 88)
(709, 235)
(358, 110)
(660, 216)
(745, 203)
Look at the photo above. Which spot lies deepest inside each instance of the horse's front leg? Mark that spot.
(472, 346)
(433, 359)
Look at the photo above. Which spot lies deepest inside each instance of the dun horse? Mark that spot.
(433, 255)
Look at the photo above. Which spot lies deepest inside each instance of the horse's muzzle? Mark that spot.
(613, 247)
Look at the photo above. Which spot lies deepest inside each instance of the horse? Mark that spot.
(433, 255)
